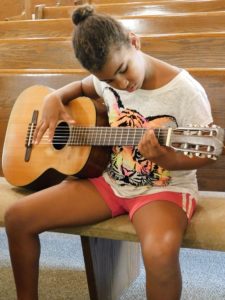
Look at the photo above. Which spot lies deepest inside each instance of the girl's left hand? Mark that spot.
(150, 148)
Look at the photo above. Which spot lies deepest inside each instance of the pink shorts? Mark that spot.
(121, 205)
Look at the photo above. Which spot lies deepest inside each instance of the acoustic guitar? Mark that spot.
(82, 150)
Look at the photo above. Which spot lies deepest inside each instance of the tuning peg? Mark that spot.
(214, 157)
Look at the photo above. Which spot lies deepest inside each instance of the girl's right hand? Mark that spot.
(53, 110)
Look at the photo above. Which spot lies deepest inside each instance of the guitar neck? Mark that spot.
(112, 136)
(196, 140)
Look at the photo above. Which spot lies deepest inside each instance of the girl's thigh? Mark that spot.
(72, 202)
(160, 220)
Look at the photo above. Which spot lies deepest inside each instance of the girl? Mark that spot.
(154, 184)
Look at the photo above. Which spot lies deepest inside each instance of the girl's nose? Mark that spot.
(122, 83)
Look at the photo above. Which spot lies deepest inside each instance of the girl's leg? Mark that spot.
(160, 226)
(72, 202)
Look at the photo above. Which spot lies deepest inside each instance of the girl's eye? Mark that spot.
(123, 70)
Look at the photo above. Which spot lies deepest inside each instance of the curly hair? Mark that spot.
(94, 35)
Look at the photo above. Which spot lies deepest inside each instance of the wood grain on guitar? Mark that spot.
(83, 150)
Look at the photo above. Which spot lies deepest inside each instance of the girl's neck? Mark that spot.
(158, 73)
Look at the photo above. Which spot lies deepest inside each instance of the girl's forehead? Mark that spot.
(115, 60)
(116, 57)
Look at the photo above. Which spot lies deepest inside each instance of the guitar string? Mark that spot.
(85, 140)
(93, 127)
(84, 134)
(115, 129)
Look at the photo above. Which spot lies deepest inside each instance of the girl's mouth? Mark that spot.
(131, 88)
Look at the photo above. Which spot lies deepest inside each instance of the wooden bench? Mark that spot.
(15, 9)
(134, 9)
(24, 9)
(111, 257)
(111, 253)
(117, 1)
(184, 50)
(167, 24)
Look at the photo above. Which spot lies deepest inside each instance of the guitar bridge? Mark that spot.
(29, 137)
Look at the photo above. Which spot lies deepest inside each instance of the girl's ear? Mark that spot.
(135, 40)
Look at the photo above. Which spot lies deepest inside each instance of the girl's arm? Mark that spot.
(54, 106)
(84, 87)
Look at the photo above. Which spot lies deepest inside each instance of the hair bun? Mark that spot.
(81, 13)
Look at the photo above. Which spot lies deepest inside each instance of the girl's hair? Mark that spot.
(94, 35)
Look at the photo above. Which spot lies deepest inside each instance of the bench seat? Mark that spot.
(206, 230)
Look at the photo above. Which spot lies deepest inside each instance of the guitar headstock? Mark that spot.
(200, 141)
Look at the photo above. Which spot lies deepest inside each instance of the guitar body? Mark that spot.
(49, 163)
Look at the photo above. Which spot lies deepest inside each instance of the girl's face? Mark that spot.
(125, 68)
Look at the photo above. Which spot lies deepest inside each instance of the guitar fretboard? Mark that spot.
(111, 136)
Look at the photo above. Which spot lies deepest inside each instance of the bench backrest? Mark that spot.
(15, 9)
(184, 50)
(165, 24)
(13, 83)
(115, 1)
(23, 9)
(198, 22)
(134, 9)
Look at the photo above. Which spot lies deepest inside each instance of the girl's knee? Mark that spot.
(15, 218)
(161, 251)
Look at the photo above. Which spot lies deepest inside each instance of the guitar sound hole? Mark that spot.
(61, 136)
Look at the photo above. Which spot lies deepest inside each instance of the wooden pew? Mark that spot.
(166, 24)
(134, 9)
(117, 1)
(184, 50)
(31, 4)
(24, 9)
(15, 9)
(13, 82)
(174, 23)
(111, 257)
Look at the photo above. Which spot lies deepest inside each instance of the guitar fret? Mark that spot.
(98, 136)
(71, 139)
(105, 137)
(79, 135)
(127, 137)
(84, 137)
(134, 137)
(91, 137)
(158, 132)
(121, 135)
(110, 130)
